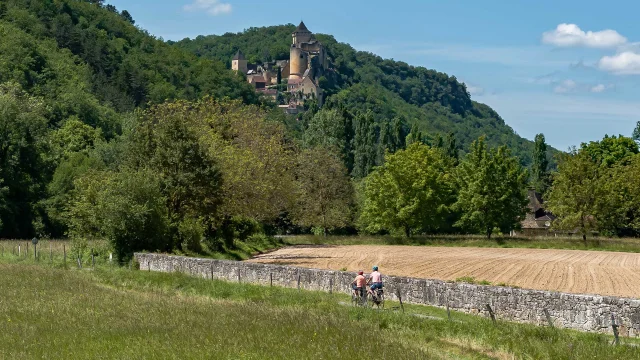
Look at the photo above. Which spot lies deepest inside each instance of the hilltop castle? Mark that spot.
(307, 62)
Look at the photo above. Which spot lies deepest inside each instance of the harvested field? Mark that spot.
(584, 272)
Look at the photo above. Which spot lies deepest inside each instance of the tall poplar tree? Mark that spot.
(539, 169)
(365, 145)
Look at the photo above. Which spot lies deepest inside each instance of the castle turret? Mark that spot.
(297, 62)
(239, 63)
(301, 35)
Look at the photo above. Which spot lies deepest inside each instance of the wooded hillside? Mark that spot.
(436, 102)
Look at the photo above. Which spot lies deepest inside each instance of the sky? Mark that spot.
(568, 69)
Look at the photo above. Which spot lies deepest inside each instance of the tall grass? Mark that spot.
(570, 243)
(49, 312)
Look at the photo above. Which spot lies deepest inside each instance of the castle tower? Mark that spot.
(297, 62)
(239, 63)
(301, 35)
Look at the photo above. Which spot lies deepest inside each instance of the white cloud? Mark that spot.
(566, 35)
(599, 88)
(626, 62)
(212, 7)
(565, 87)
(475, 90)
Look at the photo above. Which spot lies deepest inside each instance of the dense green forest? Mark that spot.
(361, 81)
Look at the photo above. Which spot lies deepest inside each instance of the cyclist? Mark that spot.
(375, 280)
(359, 284)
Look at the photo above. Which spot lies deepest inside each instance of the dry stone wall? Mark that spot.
(574, 311)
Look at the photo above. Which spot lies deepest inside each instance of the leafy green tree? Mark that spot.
(540, 167)
(492, 190)
(23, 167)
(579, 196)
(399, 132)
(365, 145)
(412, 192)
(415, 136)
(74, 136)
(611, 150)
(169, 145)
(327, 129)
(60, 189)
(452, 148)
(127, 208)
(325, 193)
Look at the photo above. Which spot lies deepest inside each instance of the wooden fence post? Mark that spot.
(211, 271)
(19, 250)
(400, 299)
(615, 330)
(271, 279)
(239, 281)
(546, 314)
(493, 316)
(330, 285)
(298, 280)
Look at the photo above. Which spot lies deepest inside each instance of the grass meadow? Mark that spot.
(53, 311)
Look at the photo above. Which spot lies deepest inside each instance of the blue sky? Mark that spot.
(569, 69)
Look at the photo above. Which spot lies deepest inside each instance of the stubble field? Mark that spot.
(575, 271)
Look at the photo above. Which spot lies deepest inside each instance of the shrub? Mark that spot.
(191, 233)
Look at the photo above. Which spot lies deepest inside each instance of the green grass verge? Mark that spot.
(569, 243)
(52, 312)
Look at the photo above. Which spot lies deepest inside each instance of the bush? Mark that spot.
(191, 233)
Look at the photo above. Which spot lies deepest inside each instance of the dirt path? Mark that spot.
(588, 272)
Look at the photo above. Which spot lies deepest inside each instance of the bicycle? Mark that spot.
(360, 299)
(377, 300)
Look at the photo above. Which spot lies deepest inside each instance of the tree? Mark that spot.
(492, 190)
(399, 133)
(127, 16)
(23, 164)
(414, 136)
(168, 144)
(452, 148)
(539, 169)
(611, 150)
(578, 194)
(636, 133)
(327, 129)
(325, 193)
(411, 192)
(127, 208)
(365, 145)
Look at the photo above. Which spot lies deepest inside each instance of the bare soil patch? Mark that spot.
(583, 272)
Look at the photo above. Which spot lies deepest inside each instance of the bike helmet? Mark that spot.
(360, 272)
(375, 268)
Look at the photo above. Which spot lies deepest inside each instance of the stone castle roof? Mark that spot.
(302, 27)
(239, 56)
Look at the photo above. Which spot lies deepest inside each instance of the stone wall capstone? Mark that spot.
(573, 311)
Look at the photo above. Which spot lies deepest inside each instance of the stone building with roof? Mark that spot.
(538, 220)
